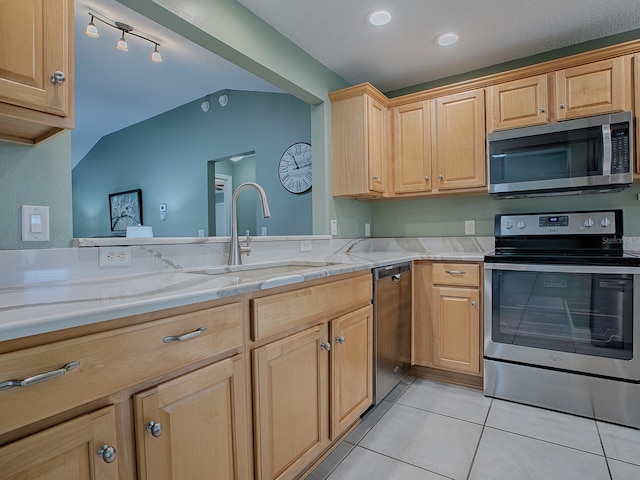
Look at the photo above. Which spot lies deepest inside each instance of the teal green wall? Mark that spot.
(445, 216)
(166, 156)
(36, 175)
(522, 62)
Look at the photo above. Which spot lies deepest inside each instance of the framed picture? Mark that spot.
(125, 209)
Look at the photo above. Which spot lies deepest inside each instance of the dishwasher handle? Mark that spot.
(393, 271)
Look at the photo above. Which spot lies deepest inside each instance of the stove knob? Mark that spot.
(605, 222)
(508, 224)
(521, 224)
(588, 223)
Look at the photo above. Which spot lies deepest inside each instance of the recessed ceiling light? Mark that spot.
(447, 39)
(379, 17)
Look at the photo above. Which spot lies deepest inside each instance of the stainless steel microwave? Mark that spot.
(575, 156)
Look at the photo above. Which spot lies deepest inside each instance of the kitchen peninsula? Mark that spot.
(148, 344)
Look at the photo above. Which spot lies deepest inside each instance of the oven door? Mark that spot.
(575, 318)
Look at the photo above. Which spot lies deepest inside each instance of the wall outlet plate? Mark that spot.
(114, 256)
(469, 227)
(305, 246)
(367, 229)
(334, 227)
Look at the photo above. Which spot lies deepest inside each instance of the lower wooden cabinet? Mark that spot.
(82, 448)
(447, 323)
(309, 388)
(456, 329)
(195, 426)
(291, 392)
(351, 368)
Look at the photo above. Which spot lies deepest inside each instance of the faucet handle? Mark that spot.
(246, 248)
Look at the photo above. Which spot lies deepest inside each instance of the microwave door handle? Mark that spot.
(606, 146)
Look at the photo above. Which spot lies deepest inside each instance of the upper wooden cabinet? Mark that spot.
(36, 69)
(518, 104)
(412, 147)
(589, 89)
(439, 145)
(360, 129)
(460, 141)
(593, 89)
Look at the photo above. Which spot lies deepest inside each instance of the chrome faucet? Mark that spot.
(235, 249)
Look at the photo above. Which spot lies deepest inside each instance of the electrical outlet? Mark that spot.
(305, 246)
(367, 229)
(334, 227)
(264, 231)
(114, 256)
(469, 227)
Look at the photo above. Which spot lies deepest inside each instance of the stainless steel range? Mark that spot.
(561, 302)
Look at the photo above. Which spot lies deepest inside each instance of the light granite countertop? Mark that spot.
(78, 295)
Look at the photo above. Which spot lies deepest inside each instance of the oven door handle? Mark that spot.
(561, 268)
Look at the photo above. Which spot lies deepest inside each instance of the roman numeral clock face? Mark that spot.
(294, 168)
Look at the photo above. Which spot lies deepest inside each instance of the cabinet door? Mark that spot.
(290, 390)
(460, 140)
(421, 325)
(66, 451)
(518, 104)
(636, 85)
(36, 43)
(412, 147)
(203, 417)
(377, 145)
(592, 89)
(351, 368)
(456, 329)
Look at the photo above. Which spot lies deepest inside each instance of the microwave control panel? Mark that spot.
(620, 149)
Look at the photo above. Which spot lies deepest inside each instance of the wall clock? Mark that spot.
(294, 168)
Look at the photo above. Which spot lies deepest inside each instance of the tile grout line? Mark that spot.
(475, 453)
(604, 452)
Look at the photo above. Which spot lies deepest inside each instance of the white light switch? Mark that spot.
(35, 223)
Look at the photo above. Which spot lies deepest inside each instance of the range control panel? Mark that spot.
(575, 223)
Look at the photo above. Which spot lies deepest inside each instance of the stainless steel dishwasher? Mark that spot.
(392, 327)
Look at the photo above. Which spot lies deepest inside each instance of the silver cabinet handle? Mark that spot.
(474, 303)
(441, 177)
(340, 339)
(107, 453)
(375, 177)
(542, 110)
(326, 346)
(426, 179)
(186, 336)
(154, 428)
(57, 78)
(562, 105)
(455, 272)
(43, 377)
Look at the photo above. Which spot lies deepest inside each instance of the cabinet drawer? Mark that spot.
(111, 361)
(280, 312)
(467, 274)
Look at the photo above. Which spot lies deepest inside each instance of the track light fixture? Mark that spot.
(92, 31)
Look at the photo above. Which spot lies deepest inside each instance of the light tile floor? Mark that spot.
(426, 430)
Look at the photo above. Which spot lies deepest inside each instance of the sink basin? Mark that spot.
(253, 271)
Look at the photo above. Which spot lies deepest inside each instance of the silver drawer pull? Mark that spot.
(186, 336)
(455, 272)
(43, 377)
